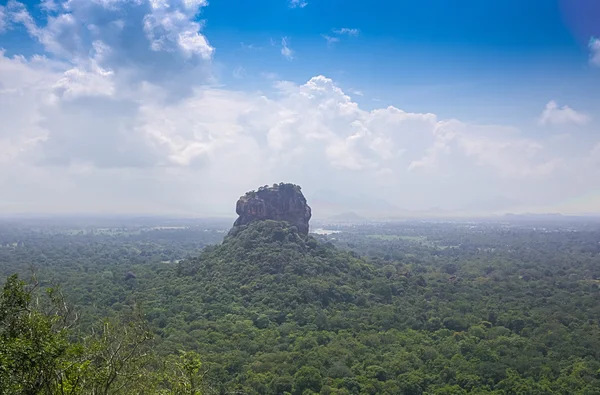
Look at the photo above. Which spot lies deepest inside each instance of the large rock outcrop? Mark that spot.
(280, 202)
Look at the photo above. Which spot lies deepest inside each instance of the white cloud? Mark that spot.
(164, 27)
(78, 125)
(594, 46)
(194, 5)
(297, 3)
(330, 40)
(553, 114)
(286, 51)
(49, 5)
(154, 40)
(17, 13)
(347, 31)
(101, 124)
(488, 146)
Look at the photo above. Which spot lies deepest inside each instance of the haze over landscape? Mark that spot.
(299, 197)
(176, 106)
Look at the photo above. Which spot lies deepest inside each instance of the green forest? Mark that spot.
(409, 308)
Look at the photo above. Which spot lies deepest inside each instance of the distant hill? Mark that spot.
(330, 203)
(350, 217)
(534, 215)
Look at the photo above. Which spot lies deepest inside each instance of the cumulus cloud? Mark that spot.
(24, 92)
(500, 149)
(286, 51)
(88, 125)
(49, 5)
(100, 124)
(555, 115)
(594, 46)
(153, 40)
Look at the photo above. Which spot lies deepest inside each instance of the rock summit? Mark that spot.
(280, 202)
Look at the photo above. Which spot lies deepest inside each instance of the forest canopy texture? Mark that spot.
(405, 308)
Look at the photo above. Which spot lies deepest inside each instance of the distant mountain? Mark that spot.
(331, 203)
(534, 216)
(349, 216)
(491, 205)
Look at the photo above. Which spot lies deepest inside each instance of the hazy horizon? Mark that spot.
(318, 217)
(178, 107)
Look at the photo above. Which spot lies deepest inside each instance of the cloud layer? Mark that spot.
(120, 115)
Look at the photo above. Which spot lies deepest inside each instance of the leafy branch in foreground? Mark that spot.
(41, 354)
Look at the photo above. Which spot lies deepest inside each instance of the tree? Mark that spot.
(183, 374)
(307, 378)
(38, 356)
(31, 343)
(111, 360)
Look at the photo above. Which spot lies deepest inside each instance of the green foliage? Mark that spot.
(30, 343)
(386, 309)
(183, 374)
(306, 379)
(38, 354)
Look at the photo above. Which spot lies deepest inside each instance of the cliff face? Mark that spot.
(280, 202)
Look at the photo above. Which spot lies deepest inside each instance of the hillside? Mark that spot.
(272, 311)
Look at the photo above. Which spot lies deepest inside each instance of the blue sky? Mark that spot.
(471, 106)
(436, 54)
(435, 50)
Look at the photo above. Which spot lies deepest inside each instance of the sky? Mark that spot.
(383, 108)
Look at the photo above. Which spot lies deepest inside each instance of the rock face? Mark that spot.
(280, 202)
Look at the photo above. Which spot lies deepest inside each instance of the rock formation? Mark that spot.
(280, 202)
